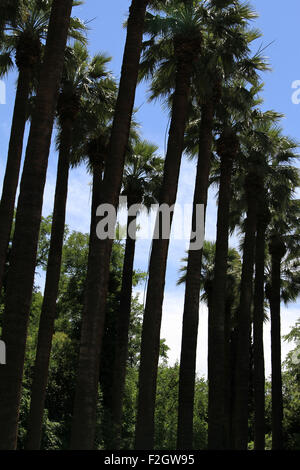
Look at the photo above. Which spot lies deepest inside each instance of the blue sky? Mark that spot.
(279, 24)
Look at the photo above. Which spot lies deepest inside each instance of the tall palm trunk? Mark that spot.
(192, 291)
(232, 378)
(84, 419)
(258, 323)
(144, 437)
(25, 241)
(121, 352)
(228, 366)
(277, 251)
(244, 321)
(48, 313)
(13, 164)
(227, 146)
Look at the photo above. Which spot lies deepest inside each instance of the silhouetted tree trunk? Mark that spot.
(28, 218)
(277, 250)
(244, 320)
(11, 178)
(123, 322)
(227, 147)
(84, 419)
(192, 290)
(48, 313)
(233, 362)
(228, 367)
(258, 323)
(144, 435)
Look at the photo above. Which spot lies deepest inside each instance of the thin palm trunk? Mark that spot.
(244, 323)
(48, 313)
(13, 164)
(232, 378)
(97, 169)
(216, 323)
(258, 345)
(277, 251)
(28, 218)
(192, 291)
(228, 371)
(84, 419)
(121, 352)
(144, 437)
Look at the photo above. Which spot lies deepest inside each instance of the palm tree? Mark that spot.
(227, 149)
(235, 104)
(78, 86)
(223, 58)
(269, 136)
(192, 291)
(91, 138)
(263, 219)
(91, 143)
(141, 184)
(207, 272)
(261, 148)
(277, 251)
(24, 248)
(233, 274)
(252, 187)
(83, 428)
(235, 113)
(181, 31)
(27, 31)
(283, 237)
(24, 39)
(8, 11)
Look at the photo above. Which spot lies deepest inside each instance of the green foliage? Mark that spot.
(64, 357)
(166, 407)
(215, 39)
(291, 399)
(291, 391)
(166, 413)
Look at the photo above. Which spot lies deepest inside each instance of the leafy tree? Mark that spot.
(180, 32)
